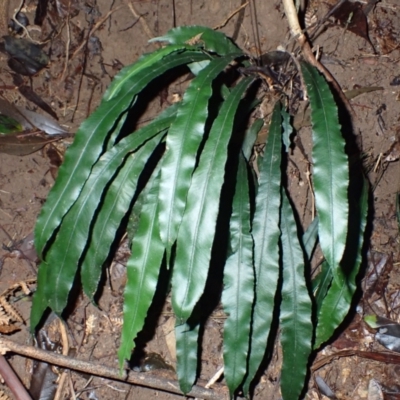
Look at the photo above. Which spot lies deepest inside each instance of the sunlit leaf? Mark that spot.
(187, 337)
(109, 217)
(250, 138)
(197, 231)
(238, 293)
(90, 139)
(337, 301)
(266, 235)
(296, 306)
(72, 237)
(183, 140)
(142, 270)
(287, 129)
(330, 170)
(208, 38)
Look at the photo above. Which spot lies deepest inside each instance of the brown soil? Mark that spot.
(73, 88)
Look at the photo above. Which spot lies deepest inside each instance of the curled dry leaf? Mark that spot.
(22, 144)
(30, 120)
(351, 15)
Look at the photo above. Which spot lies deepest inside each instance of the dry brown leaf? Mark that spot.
(10, 310)
(195, 40)
(90, 324)
(22, 144)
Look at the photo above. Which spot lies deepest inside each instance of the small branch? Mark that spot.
(137, 378)
(232, 14)
(12, 381)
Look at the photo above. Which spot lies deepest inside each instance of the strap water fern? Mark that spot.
(173, 179)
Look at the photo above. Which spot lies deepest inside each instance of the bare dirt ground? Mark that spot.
(101, 36)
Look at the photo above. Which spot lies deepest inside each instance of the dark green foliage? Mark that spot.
(168, 180)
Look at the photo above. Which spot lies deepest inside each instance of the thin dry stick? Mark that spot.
(293, 21)
(146, 28)
(214, 379)
(137, 378)
(232, 14)
(67, 45)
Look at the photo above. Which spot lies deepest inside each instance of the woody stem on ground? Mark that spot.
(141, 379)
(12, 381)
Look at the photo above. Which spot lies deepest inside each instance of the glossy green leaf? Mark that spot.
(187, 338)
(122, 80)
(287, 129)
(89, 143)
(250, 138)
(266, 235)
(321, 284)
(330, 170)
(109, 217)
(238, 293)
(197, 231)
(295, 313)
(39, 302)
(143, 269)
(183, 140)
(310, 238)
(337, 302)
(67, 249)
(208, 38)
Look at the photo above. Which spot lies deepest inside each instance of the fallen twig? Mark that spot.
(380, 356)
(231, 15)
(141, 379)
(12, 381)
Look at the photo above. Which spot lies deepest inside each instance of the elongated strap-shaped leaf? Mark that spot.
(211, 40)
(250, 138)
(121, 80)
(39, 302)
(287, 129)
(66, 251)
(197, 231)
(266, 234)
(330, 169)
(187, 338)
(109, 217)
(321, 284)
(115, 205)
(143, 269)
(310, 238)
(90, 141)
(238, 293)
(336, 303)
(183, 140)
(296, 305)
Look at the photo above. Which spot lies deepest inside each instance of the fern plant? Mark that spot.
(167, 181)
